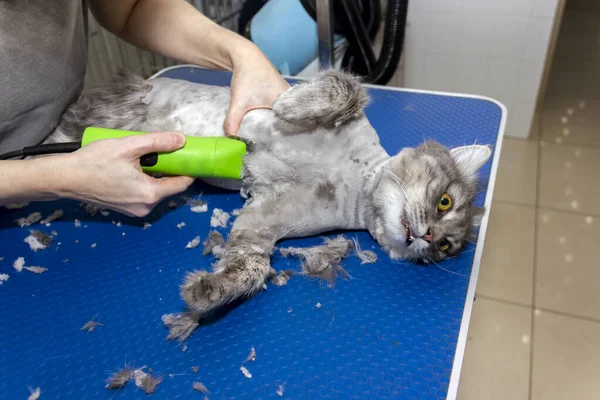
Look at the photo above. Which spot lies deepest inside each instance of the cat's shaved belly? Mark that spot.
(196, 109)
(323, 163)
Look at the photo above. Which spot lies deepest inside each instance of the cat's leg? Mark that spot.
(329, 99)
(245, 266)
(268, 218)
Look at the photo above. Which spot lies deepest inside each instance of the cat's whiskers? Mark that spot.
(400, 183)
(410, 260)
(444, 269)
(406, 170)
(403, 185)
(408, 188)
(467, 251)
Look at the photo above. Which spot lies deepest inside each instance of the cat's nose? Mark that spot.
(428, 237)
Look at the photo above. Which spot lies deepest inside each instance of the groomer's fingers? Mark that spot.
(139, 145)
(169, 186)
(233, 120)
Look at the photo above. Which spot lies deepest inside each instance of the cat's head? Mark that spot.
(424, 199)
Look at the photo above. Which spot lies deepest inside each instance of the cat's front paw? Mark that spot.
(203, 291)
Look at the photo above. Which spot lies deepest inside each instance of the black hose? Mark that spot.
(370, 11)
(310, 7)
(367, 11)
(348, 15)
(393, 43)
(41, 149)
(249, 10)
(371, 16)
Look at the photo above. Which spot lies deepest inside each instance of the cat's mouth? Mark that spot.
(408, 231)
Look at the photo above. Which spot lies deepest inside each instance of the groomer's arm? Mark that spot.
(32, 181)
(172, 28)
(177, 30)
(106, 173)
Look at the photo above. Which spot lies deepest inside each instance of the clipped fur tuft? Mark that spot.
(323, 262)
(331, 98)
(199, 386)
(146, 381)
(120, 378)
(214, 239)
(365, 256)
(282, 278)
(181, 325)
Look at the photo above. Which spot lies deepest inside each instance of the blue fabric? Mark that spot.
(390, 332)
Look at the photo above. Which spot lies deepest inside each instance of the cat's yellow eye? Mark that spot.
(444, 245)
(445, 202)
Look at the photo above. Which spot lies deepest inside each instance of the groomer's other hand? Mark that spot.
(108, 173)
(256, 83)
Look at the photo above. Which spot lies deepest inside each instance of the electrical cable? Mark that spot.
(53, 148)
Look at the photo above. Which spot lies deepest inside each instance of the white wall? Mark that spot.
(495, 48)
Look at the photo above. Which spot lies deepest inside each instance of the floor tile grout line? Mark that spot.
(515, 203)
(535, 256)
(543, 309)
(550, 141)
(508, 302)
(569, 315)
(544, 208)
(558, 210)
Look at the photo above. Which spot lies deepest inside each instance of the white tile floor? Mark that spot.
(507, 271)
(535, 331)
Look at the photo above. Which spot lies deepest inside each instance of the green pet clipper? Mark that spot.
(201, 157)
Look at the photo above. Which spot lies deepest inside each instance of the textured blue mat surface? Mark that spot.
(389, 333)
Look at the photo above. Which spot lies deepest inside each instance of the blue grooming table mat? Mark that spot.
(394, 331)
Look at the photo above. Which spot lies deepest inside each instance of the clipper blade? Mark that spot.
(250, 144)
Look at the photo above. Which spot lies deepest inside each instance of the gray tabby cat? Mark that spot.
(317, 166)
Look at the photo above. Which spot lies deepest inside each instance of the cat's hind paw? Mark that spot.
(203, 291)
(241, 273)
(330, 99)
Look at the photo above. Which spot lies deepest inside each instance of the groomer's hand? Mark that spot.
(256, 84)
(108, 173)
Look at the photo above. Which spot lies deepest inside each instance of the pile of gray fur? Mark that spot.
(322, 262)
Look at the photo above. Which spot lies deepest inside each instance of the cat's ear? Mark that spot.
(469, 159)
(477, 214)
(329, 99)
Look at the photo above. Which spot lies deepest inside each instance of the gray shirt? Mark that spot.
(43, 59)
